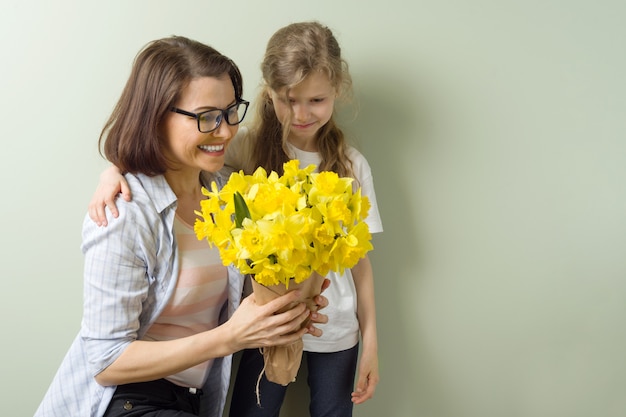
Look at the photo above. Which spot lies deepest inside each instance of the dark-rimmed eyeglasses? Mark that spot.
(210, 120)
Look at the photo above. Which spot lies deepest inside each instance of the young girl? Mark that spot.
(303, 74)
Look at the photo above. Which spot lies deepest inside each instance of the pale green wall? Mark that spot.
(496, 132)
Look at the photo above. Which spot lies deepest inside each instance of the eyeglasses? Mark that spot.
(210, 120)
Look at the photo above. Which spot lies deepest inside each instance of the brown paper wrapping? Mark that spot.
(282, 362)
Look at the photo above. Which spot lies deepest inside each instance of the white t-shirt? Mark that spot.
(342, 330)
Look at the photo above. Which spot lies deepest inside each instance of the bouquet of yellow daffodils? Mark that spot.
(279, 228)
(286, 228)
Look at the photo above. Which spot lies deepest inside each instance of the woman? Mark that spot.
(156, 336)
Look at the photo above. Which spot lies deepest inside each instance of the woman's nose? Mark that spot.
(224, 130)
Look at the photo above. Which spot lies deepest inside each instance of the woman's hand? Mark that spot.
(112, 182)
(254, 325)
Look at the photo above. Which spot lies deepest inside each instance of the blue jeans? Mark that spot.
(331, 382)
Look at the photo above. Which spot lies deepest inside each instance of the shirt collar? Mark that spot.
(161, 194)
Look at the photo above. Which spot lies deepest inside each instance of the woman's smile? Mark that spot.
(212, 148)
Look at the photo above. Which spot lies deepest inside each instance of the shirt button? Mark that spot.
(128, 405)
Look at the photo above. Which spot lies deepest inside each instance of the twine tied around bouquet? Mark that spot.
(281, 363)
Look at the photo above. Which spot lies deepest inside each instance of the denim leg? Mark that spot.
(331, 381)
(244, 399)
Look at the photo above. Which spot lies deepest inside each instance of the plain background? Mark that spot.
(496, 133)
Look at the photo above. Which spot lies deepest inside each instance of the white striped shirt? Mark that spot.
(197, 300)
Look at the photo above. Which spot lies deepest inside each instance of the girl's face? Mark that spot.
(309, 104)
(185, 145)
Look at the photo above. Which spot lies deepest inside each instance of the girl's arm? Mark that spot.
(366, 312)
(112, 182)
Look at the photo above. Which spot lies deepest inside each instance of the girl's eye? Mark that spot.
(317, 100)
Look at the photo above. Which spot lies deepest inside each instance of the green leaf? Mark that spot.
(241, 209)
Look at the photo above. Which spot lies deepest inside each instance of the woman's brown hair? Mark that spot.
(131, 139)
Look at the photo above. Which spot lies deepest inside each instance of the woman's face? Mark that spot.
(310, 105)
(186, 146)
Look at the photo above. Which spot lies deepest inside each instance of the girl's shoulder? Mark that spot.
(242, 138)
(354, 153)
(358, 160)
(239, 151)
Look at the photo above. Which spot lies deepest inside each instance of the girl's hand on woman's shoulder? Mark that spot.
(111, 184)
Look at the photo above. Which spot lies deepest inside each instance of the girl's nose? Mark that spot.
(300, 112)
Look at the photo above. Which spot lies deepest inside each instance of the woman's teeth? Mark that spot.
(211, 148)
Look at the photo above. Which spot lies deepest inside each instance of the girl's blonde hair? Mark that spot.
(292, 53)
